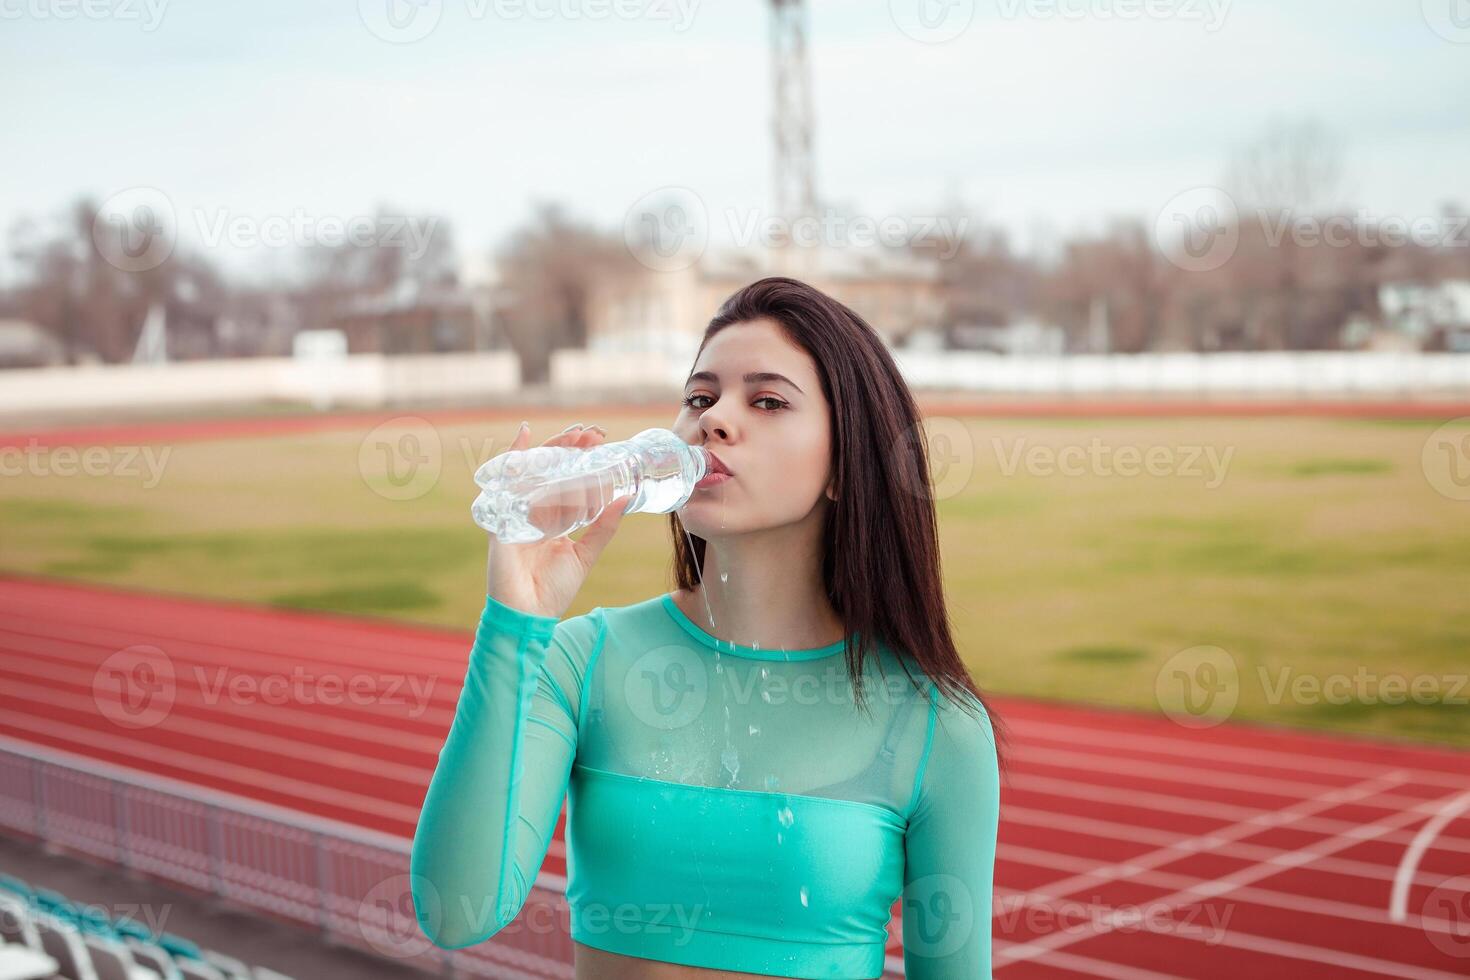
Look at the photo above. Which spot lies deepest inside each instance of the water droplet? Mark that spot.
(779, 837)
(786, 817)
(804, 895)
(755, 729)
(766, 696)
(724, 576)
(772, 781)
(731, 761)
(765, 672)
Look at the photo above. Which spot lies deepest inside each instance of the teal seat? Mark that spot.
(179, 946)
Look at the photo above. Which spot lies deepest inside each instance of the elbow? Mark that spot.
(449, 931)
(471, 922)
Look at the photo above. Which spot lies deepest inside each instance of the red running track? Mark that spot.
(932, 404)
(1130, 846)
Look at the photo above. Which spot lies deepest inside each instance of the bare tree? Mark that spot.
(548, 267)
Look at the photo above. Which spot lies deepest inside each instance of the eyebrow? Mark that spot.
(751, 378)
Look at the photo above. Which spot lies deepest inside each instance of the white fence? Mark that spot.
(375, 379)
(1290, 374)
(1268, 373)
(357, 379)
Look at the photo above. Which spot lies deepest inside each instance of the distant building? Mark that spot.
(26, 344)
(412, 319)
(666, 312)
(1021, 337)
(1430, 315)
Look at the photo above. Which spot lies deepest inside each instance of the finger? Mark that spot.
(600, 531)
(566, 437)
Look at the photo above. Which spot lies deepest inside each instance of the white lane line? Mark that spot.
(1210, 841)
(1139, 799)
(1266, 945)
(1191, 747)
(1185, 777)
(1228, 883)
(1399, 900)
(1109, 830)
(1289, 901)
(1254, 824)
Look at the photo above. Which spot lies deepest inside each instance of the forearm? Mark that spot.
(466, 863)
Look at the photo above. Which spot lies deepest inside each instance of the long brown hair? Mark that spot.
(880, 563)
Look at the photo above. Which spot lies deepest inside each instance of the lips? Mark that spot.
(717, 465)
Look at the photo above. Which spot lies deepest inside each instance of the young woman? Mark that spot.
(762, 761)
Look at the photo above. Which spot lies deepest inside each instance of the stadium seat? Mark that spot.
(198, 970)
(129, 926)
(114, 961)
(16, 924)
(48, 899)
(178, 946)
(153, 958)
(63, 943)
(17, 885)
(227, 965)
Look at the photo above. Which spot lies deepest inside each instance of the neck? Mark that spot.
(765, 589)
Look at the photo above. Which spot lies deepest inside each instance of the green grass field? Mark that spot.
(1312, 548)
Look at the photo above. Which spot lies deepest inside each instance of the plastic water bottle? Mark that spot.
(530, 494)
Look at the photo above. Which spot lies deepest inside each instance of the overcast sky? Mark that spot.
(1035, 113)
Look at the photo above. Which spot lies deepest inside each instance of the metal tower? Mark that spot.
(794, 173)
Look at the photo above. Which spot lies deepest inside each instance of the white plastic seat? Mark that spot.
(63, 943)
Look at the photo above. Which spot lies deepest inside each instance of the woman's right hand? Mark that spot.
(543, 577)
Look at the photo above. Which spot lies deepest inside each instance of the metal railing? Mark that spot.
(349, 883)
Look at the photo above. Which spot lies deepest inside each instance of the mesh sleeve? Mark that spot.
(501, 777)
(949, 849)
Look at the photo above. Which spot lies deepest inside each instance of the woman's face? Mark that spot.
(772, 433)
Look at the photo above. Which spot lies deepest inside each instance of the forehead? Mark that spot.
(756, 345)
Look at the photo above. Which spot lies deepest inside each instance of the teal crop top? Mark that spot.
(728, 806)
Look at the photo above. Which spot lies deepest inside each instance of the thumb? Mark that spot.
(600, 531)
